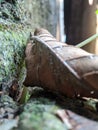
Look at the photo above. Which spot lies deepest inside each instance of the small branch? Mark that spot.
(81, 44)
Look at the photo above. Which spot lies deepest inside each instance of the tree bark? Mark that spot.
(80, 22)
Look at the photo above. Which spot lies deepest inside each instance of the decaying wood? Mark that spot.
(61, 68)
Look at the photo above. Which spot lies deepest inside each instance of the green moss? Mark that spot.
(39, 113)
(12, 10)
(12, 49)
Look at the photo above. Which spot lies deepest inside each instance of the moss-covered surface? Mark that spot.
(17, 19)
(8, 108)
(39, 114)
(14, 34)
(12, 11)
(12, 48)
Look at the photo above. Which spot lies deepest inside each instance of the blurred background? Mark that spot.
(78, 21)
(71, 21)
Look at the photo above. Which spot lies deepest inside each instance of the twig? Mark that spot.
(81, 44)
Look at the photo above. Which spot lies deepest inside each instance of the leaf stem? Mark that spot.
(81, 44)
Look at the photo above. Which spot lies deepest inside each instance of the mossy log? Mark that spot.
(40, 114)
(51, 111)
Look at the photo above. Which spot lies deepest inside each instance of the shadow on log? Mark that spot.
(60, 67)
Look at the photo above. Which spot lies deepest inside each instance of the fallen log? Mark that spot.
(61, 68)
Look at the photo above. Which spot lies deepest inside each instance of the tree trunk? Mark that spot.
(80, 22)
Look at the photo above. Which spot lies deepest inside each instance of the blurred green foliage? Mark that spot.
(96, 11)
